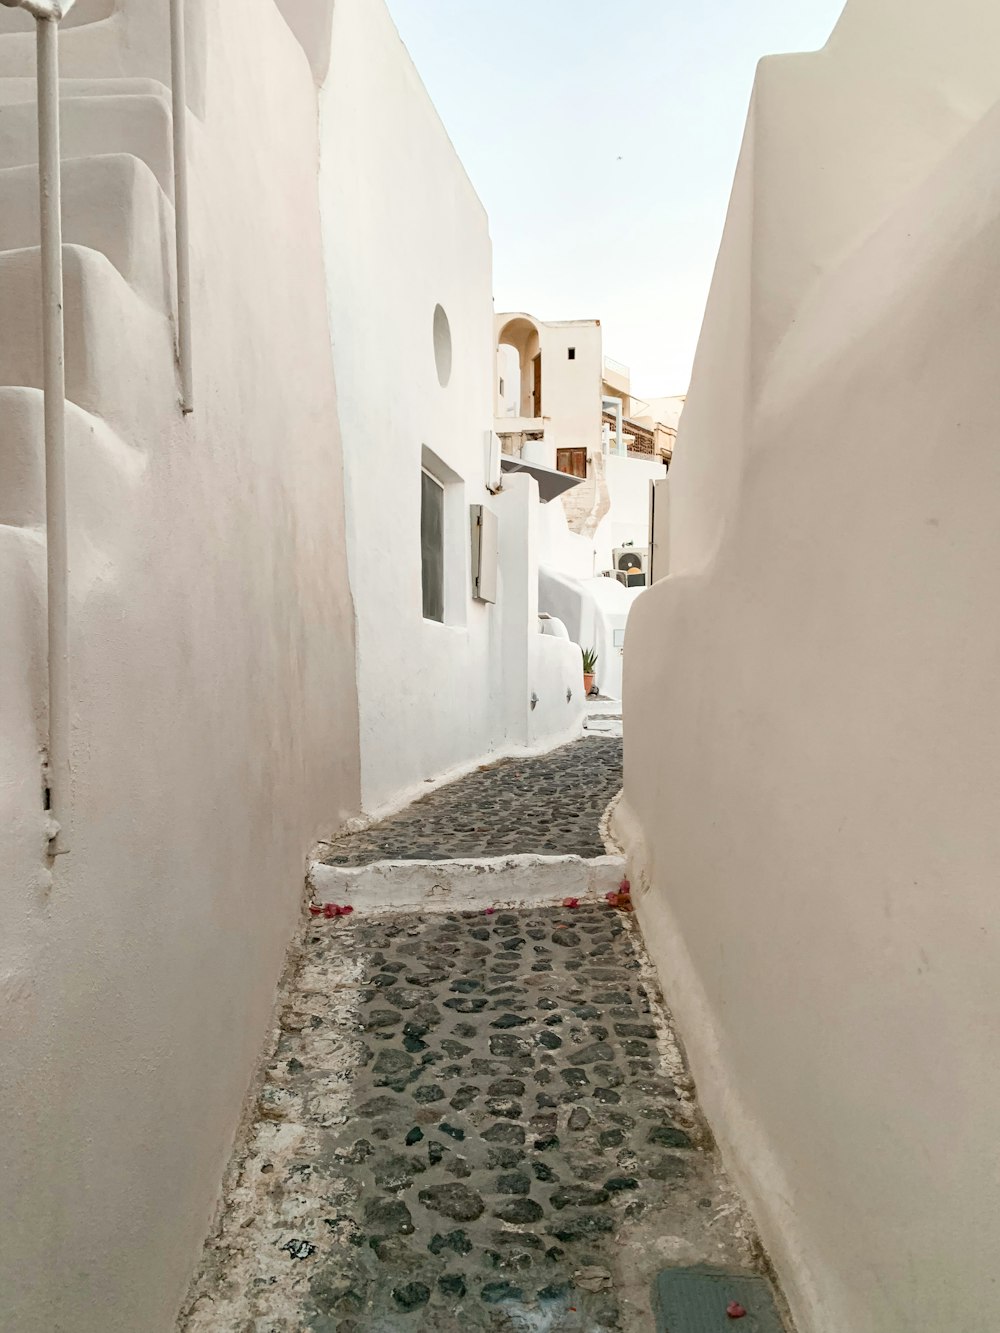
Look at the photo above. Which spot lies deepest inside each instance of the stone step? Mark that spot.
(120, 356)
(464, 884)
(136, 124)
(82, 13)
(131, 40)
(24, 89)
(105, 479)
(111, 204)
(103, 471)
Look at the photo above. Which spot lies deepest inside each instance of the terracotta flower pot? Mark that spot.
(588, 682)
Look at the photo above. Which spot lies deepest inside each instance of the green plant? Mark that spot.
(589, 661)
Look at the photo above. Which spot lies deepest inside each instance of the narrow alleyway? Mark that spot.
(472, 1119)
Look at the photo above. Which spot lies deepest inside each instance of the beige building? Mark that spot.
(637, 427)
(567, 413)
(562, 405)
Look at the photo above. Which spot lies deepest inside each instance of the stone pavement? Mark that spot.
(471, 1121)
(550, 805)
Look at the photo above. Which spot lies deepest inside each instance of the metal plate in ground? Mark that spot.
(694, 1300)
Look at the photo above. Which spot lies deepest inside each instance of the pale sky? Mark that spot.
(602, 136)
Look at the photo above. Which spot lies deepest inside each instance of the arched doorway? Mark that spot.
(522, 336)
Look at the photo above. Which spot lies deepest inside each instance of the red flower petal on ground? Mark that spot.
(490, 911)
(612, 895)
(735, 1311)
(571, 902)
(330, 910)
(315, 909)
(625, 887)
(346, 910)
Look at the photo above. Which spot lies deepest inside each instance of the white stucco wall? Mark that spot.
(628, 518)
(571, 390)
(405, 232)
(562, 548)
(595, 612)
(667, 411)
(538, 670)
(811, 788)
(214, 717)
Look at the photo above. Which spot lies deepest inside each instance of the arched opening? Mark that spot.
(519, 358)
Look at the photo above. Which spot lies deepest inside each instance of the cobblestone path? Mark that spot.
(550, 806)
(471, 1121)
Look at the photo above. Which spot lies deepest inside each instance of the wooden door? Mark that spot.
(537, 363)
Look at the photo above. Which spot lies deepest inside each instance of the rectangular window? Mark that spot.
(432, 545)
(572, 461)
(572, 353)
(501, 388)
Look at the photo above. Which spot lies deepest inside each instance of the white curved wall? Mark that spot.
(595, 611)
(214, 716)
(833, 140)
(813, 762)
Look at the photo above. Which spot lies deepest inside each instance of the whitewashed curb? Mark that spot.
(503, 881)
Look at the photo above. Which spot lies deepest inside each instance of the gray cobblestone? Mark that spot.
(550, 806)
(464, 1185)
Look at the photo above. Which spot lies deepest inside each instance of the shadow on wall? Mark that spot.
(311, 22)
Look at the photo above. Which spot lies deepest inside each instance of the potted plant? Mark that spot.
(589, 665)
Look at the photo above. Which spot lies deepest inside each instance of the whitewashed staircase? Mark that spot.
(122, 380)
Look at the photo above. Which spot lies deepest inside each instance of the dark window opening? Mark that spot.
(432, 546)
(572, 353)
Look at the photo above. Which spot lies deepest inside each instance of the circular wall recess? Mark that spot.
(442, 345)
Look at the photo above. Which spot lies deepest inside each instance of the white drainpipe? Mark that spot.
(178, 80)
(57, 779)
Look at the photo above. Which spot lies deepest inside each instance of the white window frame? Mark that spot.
(455, 540)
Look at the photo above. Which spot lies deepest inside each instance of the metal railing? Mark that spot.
(48, 14)
(182, 234)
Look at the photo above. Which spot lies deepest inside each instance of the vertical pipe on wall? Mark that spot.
(54, 376)
(178, 79)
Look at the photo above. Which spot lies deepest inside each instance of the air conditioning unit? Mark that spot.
(632, 565)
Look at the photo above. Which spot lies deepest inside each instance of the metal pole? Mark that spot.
(54, 375)
(182, 231)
